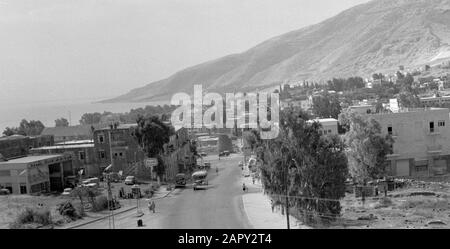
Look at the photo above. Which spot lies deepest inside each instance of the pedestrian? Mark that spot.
(253, 179)
(153, 206)
(243, 187)
(217, 170)
(149, 206)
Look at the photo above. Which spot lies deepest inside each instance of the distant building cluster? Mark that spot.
(54, 160)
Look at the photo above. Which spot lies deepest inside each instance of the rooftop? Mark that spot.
(119, 127)
(79, 130)
(30, 159)
(76, 142)
(323, 120)
(69, 146)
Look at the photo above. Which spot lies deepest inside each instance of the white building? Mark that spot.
(421, 141)
(329, 125)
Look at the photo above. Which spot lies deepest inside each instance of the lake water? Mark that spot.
(12, 114)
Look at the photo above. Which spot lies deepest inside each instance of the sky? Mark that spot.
(52, 50)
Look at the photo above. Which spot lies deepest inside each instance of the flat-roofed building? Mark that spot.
(363, 109)
(34, 174)
(83, 154)
(435, 101)
(329, 125)
(421, 141)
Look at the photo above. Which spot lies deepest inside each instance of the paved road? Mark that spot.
(218, 206)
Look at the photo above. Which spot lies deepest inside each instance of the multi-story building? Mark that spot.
(62, 134)
(435, 101)
(83, 154)
(178, 156)
(34, 174)
(421, 141)
(123, 148)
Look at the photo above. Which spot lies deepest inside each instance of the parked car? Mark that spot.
(130, 180)
(203, 154)
(241, 164)
(4, 191)
(67, 191)
(180, 180)
(91, 181)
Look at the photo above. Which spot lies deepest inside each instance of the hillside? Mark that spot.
(374, 37)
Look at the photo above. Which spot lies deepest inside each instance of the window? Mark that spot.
(82, 155)
(390, 130)
(5, 173)
(441, 123)
(101, 139)
(329, 131)
(23, 189)
(431, 127)
(102, 154)
(422, 168)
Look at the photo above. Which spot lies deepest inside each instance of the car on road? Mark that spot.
(130, 180)
(203, 154)
(199, 178)
(241, 164)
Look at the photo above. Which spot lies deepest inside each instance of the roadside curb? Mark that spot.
(120, 212)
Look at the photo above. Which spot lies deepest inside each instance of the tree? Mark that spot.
(151, 133)
(9, 131)
(61, 122)
(367, 147)
(303, 163)
(91, 118)
(409, 100)
(326, 106)
(32, 128)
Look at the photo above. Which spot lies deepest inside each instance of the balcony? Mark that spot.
(435, 149)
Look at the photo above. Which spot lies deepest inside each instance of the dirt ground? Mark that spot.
(419, 205)
(11, 205)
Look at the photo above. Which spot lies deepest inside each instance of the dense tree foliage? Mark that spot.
(306, 165)
(152, 133)
(326, 106)
(163, 112)
(367, 147)
(61, 122)
(352, 83)
(31, 128)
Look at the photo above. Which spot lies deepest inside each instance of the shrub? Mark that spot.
(68, 210)
(32, 215)
(149, 192)
(100, 204)
(385, 202)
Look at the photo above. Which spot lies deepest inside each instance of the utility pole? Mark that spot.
(287, 197)
(111, 210)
